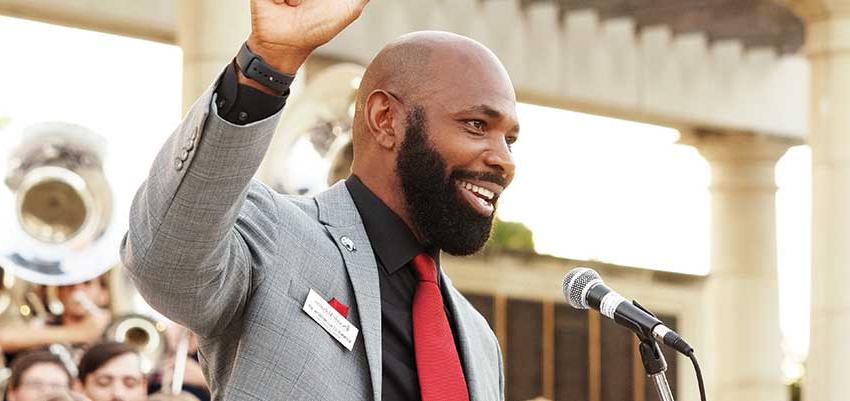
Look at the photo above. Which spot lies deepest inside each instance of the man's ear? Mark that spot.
(381, 118)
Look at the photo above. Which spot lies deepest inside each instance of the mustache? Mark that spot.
(495, 178)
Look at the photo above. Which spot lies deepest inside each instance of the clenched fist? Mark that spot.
(285, 32)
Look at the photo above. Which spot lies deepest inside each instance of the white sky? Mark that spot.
(588, 187)
(596, 188)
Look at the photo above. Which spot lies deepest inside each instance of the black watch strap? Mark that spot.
(255, 68)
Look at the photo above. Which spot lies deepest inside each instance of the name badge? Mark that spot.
(326, 316)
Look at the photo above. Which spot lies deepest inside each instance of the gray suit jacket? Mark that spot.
(232, 260)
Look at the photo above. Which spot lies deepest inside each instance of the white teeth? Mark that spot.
(479, 190)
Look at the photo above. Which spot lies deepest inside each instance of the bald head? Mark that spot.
(417, 65)
(409, 64)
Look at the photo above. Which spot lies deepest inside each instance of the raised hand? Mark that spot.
(285, 32)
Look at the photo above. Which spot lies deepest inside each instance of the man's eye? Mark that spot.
(510, 141)
(477, 124)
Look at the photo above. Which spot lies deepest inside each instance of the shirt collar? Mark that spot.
(393, 242)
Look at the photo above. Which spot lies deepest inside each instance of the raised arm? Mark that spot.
(199, 223)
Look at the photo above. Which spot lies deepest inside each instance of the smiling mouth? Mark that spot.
(481, 199)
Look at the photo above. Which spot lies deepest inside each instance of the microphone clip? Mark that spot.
(655, 366)
(644, 336)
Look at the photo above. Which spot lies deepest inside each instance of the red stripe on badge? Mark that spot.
(339, 306)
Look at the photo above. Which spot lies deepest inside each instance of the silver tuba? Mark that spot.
(312, 148)
(56, 230)
(144, 334)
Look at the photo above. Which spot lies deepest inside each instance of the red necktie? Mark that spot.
(438, 365)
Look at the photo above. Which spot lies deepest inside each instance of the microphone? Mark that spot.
(584, 289)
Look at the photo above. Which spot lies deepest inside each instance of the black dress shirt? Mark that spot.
(393, 243)
(395, 246)
(242, 104)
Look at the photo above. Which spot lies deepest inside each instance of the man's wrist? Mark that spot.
(271, 76)
(243, 80)
(282, 58)
(245, 101)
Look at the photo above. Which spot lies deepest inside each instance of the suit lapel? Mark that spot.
(339, 214)
(470, 348)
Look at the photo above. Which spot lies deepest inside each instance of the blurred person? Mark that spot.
(78, 323)
(95, 290)
(36, 375)
(112, 371)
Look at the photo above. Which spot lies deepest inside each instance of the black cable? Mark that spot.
(699, 376)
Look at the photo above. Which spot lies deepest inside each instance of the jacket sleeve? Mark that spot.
(199, 223)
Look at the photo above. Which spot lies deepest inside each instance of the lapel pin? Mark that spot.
(348, 244)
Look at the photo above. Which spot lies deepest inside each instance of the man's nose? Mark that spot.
(117, 391)
(500, 157)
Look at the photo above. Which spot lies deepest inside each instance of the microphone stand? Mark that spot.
(653, 362)
(655, 366)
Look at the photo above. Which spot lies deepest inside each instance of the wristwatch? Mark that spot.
(253, 66)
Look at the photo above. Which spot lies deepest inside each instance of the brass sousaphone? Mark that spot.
(55, 215)
(57, 229)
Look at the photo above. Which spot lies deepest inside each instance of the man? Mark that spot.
(256, 274)
(36, 375)
(112, 371)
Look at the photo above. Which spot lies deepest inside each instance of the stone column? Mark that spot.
(210, 33)
(828, 51)
(743, 351)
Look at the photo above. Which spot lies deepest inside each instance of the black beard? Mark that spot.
(441, 216)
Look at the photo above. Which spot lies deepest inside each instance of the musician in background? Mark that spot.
(112, 371)
(95, 290)
(78, 323)
(37, 375)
